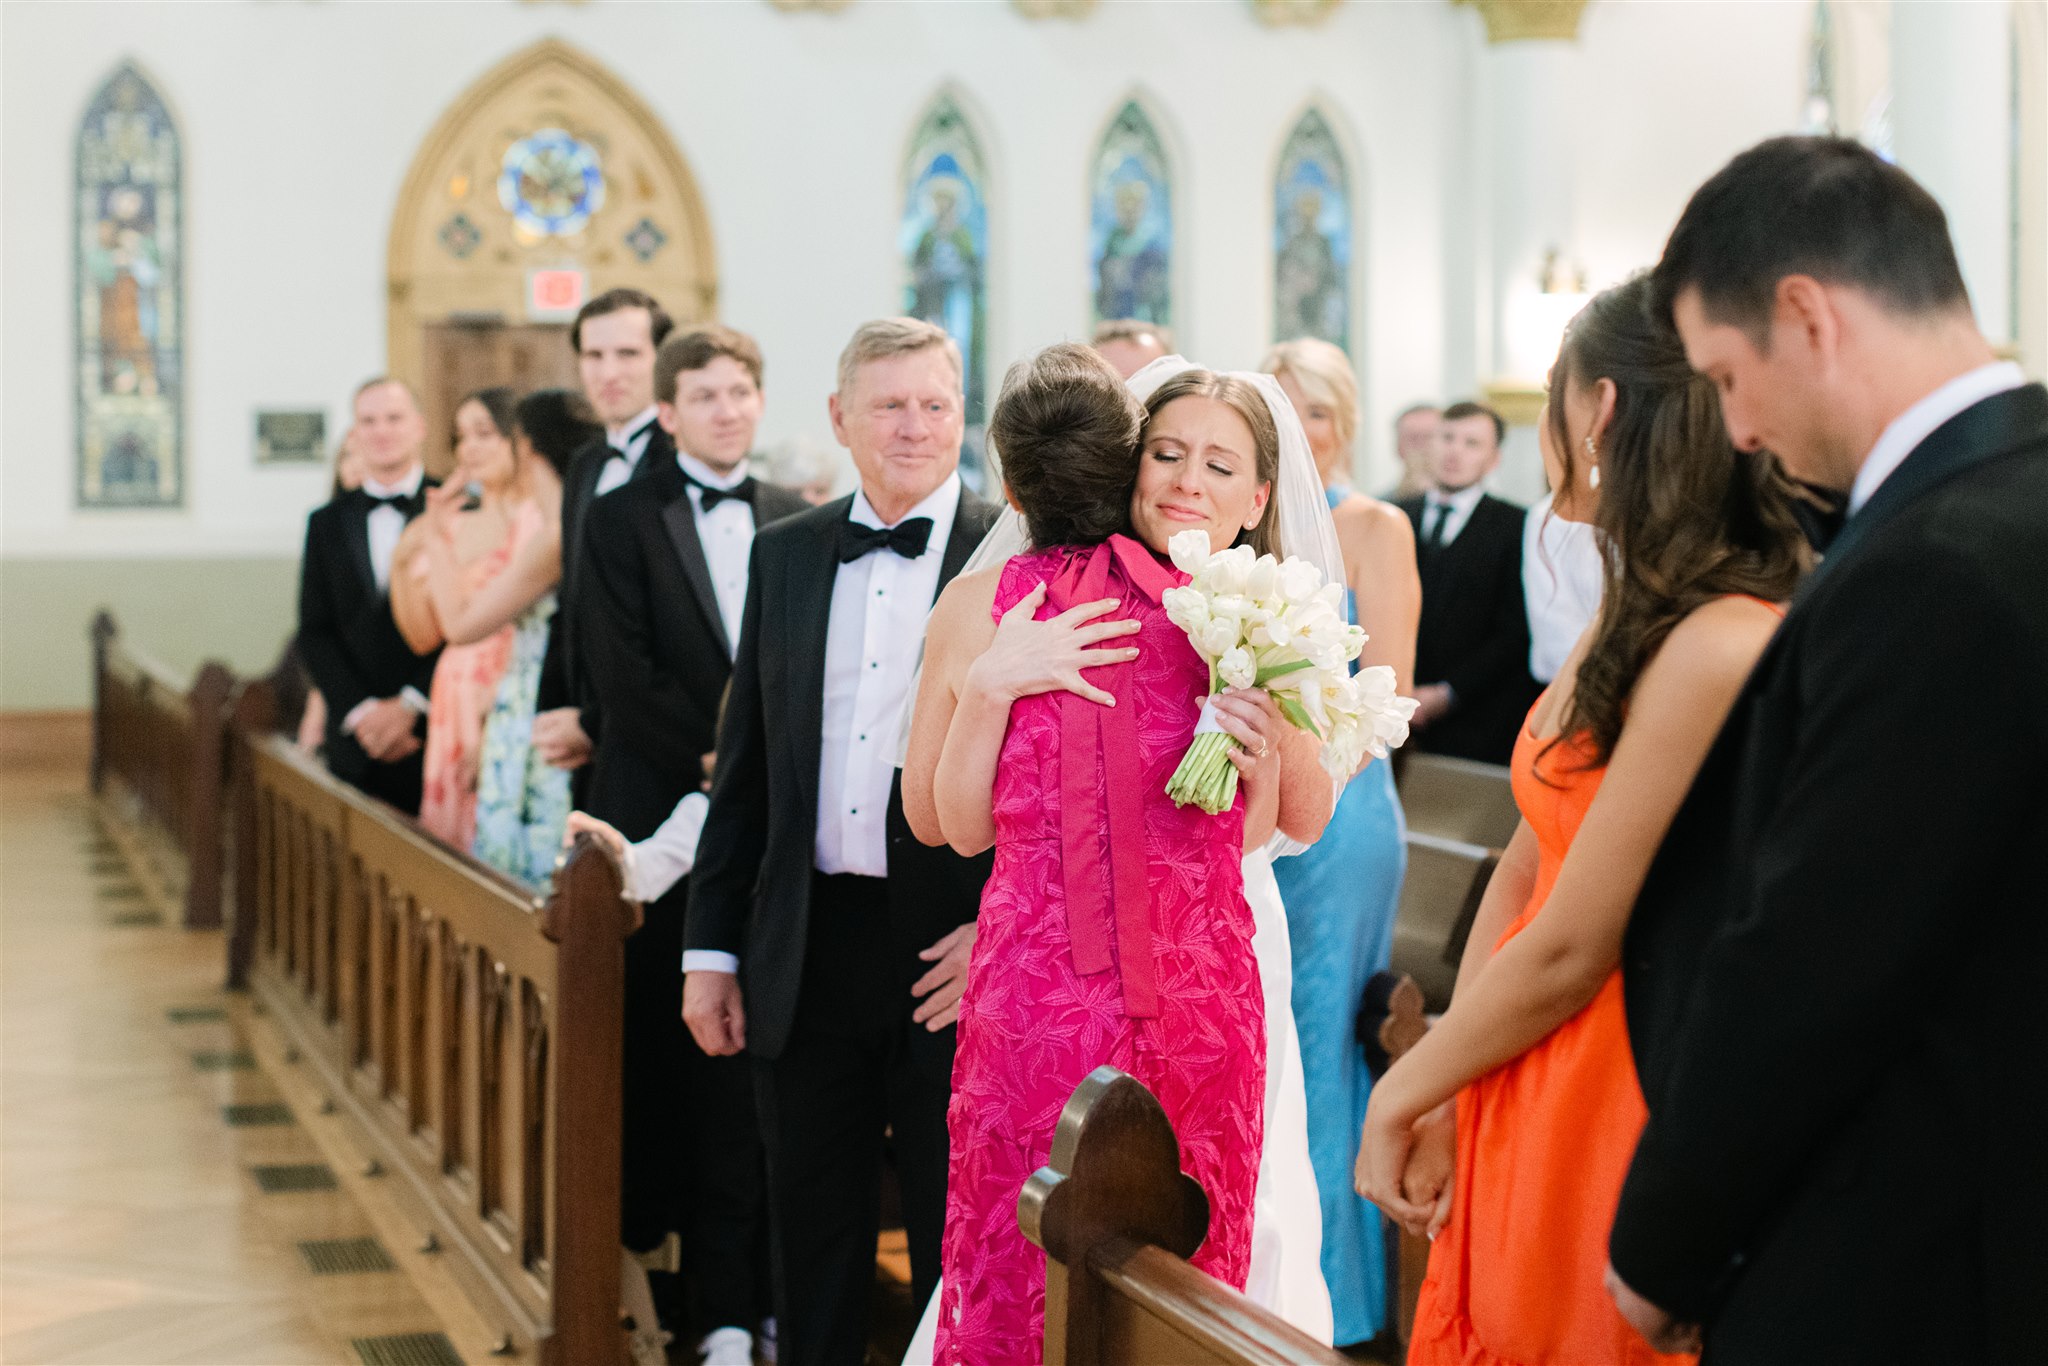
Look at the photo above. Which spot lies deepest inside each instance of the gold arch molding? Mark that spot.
(457, 254)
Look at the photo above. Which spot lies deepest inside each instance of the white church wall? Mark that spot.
(299, 122)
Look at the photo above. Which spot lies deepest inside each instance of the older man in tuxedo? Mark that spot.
(615, 337)
(1834, 970)
(811, 903)
(375, 686)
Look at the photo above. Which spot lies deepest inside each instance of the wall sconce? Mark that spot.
(1532, 328)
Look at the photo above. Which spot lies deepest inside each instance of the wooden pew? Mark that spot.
(1439, 898)
(1117, 1218)
(469, 1036)
(1457, 799)
(159, 751)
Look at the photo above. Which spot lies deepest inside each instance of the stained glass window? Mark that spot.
(1817, 115)
(129, 255)
(943, 239)
(1312, 236)
(1131, 222)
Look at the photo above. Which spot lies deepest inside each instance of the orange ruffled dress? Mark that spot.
(1544, 1142)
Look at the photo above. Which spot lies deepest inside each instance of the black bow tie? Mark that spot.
(709, 497)
(907, 539)
(402, 501)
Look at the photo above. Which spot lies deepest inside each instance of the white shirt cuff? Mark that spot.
(711, 960)
(414, 698)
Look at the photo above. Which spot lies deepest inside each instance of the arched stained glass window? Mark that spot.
(1312, 236)
(943, 239)
(1817, 114)
(1131, 222)
(129, 251)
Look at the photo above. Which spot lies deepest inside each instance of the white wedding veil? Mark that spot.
(1307, 531)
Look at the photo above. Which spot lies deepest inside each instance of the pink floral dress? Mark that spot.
(465, 682)
(1113, 930)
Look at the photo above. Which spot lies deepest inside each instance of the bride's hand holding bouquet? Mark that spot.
(1276, 625)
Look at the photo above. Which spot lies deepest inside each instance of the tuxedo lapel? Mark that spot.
(679, 519)
(358, 536)
(814, 569)
(1984, 431)
(970, 526)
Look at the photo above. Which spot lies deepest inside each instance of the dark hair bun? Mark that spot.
(1065, 435)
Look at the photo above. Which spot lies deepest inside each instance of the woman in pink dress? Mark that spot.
(1114, 928)
(450, 555)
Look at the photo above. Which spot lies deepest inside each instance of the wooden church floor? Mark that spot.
(132, 1226)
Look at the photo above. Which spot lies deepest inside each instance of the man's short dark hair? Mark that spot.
(1459, 411)
(659, 324)
(698, 347)
(1826, 207)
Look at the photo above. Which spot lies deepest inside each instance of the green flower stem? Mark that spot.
(1206, 777)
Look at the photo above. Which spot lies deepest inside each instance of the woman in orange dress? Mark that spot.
(451, 555)
(1506, 1132)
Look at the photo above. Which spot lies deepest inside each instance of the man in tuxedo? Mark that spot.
(1472, 644)
(615, 337)
(1834, 969)
(1415, 437)
(375, 686)
(809, 885)
(665, 566)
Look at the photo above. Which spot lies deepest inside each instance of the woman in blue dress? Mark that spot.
(522, 804)
(1341, 894)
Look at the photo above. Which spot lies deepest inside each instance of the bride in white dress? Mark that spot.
(1287, 1222)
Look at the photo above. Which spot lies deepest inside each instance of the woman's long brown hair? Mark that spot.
(1684, 517)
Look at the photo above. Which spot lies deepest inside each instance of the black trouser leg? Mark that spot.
(723, 1193)
(653, 1142)
(920, 1087)
(823, 1108)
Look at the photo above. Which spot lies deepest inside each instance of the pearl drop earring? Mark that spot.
(1593, 451)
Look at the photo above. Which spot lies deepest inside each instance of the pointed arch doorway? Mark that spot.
(546, 182)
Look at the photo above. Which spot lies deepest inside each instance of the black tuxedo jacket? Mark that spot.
(347, 638)
(564, 680)
(751, 891)
(654, 654)
(1474, 632)
(1835, 972)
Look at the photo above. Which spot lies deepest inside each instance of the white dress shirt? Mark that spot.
(1918, 422)
(386, 526)
(1562, 584)
(1454, 508)
(879, 606)
(727, 535)
(630, 442)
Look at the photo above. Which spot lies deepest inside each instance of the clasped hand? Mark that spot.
(1406, 1166)
(1028, 657)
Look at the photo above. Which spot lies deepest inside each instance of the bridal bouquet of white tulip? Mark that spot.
(1261, 622)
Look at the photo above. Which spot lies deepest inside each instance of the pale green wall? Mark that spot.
(182, 611)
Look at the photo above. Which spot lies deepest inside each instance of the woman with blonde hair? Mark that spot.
(1342, 892)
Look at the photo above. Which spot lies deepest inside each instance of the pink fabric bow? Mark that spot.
(1113, 901)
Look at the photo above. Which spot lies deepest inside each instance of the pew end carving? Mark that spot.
(1117, 1218)
(158, 771)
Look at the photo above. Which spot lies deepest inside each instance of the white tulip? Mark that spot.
(1189, 551)
(1237, 668)
(1217, 638)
